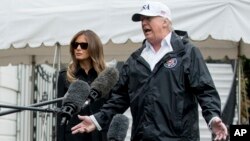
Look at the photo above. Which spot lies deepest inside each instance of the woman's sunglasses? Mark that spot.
(82, 45)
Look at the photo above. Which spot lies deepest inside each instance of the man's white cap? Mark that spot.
(151, 9)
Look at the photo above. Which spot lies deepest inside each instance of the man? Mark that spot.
(162, 82)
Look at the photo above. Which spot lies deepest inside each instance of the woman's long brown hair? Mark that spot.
(95, 49)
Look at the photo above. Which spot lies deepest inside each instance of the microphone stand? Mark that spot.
(29, 108)
(32, 107)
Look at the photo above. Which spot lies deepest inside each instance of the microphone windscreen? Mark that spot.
(105, 81)
(76, 94)
(118, 128)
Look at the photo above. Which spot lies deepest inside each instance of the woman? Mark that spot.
(87, 62)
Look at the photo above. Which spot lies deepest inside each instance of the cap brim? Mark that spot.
(136, 17)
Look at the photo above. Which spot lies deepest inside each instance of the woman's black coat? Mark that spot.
(64, 132)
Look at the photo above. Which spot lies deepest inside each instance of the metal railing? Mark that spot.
(44, 90)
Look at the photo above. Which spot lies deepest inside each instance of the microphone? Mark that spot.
(118, 128)
(74, 98)
(102, 85)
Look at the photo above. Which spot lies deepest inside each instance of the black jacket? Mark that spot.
(64, 132)
(164, 102)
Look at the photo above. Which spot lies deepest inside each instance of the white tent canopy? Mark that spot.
(32, 28)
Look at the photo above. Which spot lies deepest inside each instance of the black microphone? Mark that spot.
(102, 85)
(118, 128)
(74, 98)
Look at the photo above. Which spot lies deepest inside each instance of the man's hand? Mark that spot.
(219, 129)
(86, 125)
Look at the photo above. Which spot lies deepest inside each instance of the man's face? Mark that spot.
(154, 28)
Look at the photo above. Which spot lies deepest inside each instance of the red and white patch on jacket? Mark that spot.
(171, 63)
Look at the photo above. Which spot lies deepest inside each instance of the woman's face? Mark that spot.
(81, 48)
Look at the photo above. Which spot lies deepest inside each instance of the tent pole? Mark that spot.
(33, 63)
(57, 57)
(239, 81)
(58, 61)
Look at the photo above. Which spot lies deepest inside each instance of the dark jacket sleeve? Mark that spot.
(203, 86)
(118, 102)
